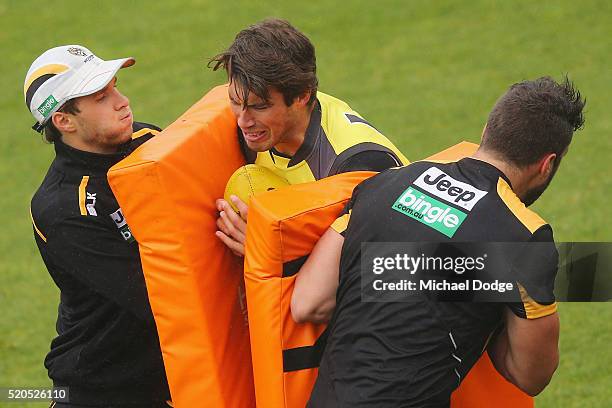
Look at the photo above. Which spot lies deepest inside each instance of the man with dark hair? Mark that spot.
(415, 353)
(284, 124)
(107, 351)
(525, 135)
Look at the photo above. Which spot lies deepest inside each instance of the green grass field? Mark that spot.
(425, 73)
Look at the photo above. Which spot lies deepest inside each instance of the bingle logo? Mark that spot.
(47, 106)
(440, 184)
(429, 211)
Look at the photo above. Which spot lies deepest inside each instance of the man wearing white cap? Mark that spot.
(107, 350)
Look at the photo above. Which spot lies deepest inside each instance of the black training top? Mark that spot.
(414, 354)
(107, 349)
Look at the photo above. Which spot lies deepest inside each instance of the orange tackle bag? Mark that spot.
(167, 190)
(283, 227)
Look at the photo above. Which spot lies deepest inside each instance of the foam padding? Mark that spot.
(167, 190)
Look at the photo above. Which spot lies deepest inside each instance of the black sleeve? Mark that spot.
(341, 223)
(369, 160)
(349, 205)
(102, 260)
(535, 270)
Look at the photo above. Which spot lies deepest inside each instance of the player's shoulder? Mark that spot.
(337, 117)
(137, 126)
(349, 133)
(66, 196)
(54, 202)
(485, 186)
(141, 132)
(525, 216)
(142, 128)
(413, 169)
(330, 102)
(46, 208)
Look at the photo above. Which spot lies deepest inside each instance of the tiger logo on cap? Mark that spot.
(77, 51)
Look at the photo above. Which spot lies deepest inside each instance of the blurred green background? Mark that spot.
(424, 73)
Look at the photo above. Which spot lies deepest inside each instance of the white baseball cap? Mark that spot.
(63, 73)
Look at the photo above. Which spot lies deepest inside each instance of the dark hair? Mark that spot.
(532, 119)
(270, 54)
(52, 135)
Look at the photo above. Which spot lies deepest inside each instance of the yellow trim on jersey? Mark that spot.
(300, 173)
(40, 234)
(527, 217)
(144, 131)
(342, 133)
(341, 223)
(533, 309)
(83, 194)
(44, 70)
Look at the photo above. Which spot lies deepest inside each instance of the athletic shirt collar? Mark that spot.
(485, 168)
(310, 139)
(68, 157)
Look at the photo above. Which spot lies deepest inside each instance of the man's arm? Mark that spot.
(526, 352)
(314, 293)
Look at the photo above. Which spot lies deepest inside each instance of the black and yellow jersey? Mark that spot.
(107, 349)
(416, 352)
(337, 140)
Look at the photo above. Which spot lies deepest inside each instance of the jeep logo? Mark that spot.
(440, 184)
